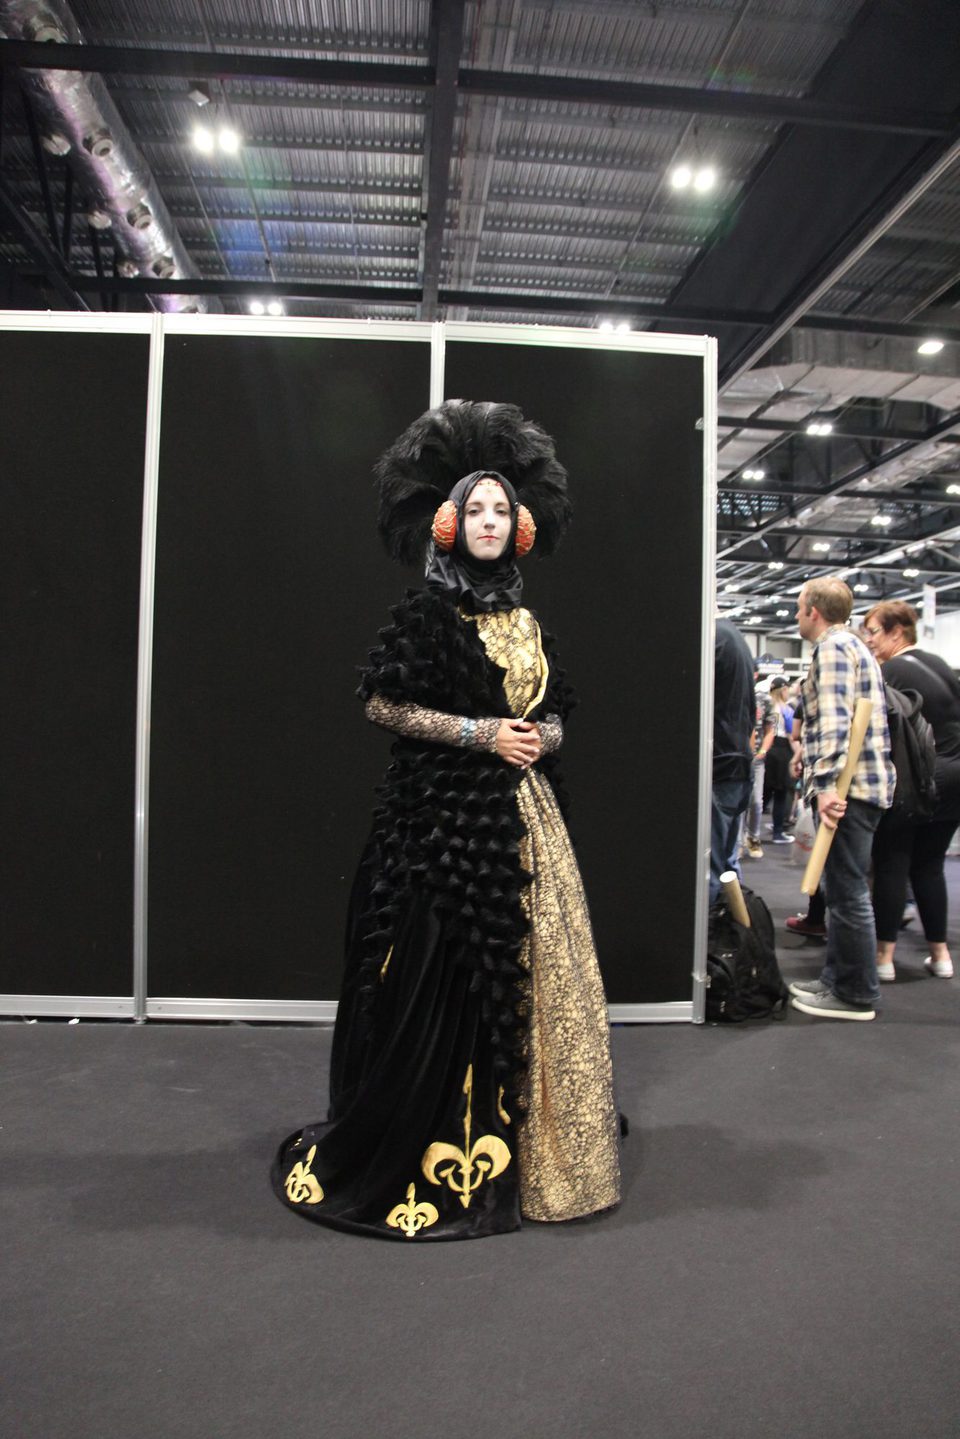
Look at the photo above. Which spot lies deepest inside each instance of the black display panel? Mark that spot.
(71, 461)
(624, 597)
(271, 587)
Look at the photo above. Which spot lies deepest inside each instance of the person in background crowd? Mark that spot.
(763, 732)
(842, 671)
(778, 760)
(813, 924)
(916, 851)
(734, 713)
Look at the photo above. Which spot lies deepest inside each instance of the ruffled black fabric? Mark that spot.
(447, 821)
(433, 982)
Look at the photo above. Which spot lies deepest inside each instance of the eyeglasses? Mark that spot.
(872, 630)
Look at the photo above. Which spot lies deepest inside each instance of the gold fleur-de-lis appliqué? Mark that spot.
(301, 1186)
(465, 1169)
(412, 1217)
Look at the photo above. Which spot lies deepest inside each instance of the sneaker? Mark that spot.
(886, 973)
(781, 839)
(828, 1006)
(754, 848)
(799, 924)
(909, 915)
(805, 987)
(941, 968)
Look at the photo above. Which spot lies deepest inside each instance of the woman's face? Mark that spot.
(882, 643)
(487, 520)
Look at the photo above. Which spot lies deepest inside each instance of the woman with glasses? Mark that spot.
(914, 850)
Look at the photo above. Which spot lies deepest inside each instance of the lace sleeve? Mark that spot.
(414, 722)
(551, 733)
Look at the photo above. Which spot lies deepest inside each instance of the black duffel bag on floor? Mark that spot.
(743, 977)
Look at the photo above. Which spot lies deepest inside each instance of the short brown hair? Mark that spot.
(895, 612)
(831, 597)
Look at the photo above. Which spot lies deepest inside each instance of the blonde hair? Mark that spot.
(831, 597)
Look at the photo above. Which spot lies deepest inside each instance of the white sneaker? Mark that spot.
(886, 973)
(941, 968)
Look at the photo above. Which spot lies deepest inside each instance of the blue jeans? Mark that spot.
(730, 799)
(851, 965)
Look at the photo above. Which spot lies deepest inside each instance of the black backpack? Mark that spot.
(914, 756)
(743, 977)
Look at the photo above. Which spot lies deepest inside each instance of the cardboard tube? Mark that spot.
(733, 894)
(824, 836)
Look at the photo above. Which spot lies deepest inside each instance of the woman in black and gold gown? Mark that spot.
(470, 1080)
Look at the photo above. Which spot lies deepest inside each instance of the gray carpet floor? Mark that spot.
(785, 1261)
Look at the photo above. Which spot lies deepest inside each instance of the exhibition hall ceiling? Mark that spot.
(782, 174)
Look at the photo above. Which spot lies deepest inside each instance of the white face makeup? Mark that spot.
(487, 521)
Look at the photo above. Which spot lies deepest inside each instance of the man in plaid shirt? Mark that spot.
(842, 671)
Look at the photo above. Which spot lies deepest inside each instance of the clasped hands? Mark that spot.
(518, 742)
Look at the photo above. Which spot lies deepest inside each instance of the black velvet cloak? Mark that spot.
(427, 1051)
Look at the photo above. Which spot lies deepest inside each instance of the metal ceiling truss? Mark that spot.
(678, 99)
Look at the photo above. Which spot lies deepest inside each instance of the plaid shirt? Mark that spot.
(842, 671)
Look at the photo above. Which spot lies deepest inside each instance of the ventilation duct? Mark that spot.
(78, 117)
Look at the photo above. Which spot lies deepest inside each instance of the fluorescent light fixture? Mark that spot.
(274, 308)
(881, 521)
(705, 179)
(229, 140)
(910, 573)
(256, 307)
(203, 139)
(930, 347)
(681, 176)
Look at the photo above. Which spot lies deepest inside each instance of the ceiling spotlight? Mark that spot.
(203, 139)
(822, 546)
(681, 176)
(752, 474)
(953, 489)
(623, 328)
(705, 179)
(728, 588)
(861, 589)
(229, 140)
(819, 427)
(759, 474)
(910, 573)
(606, 326)
(782, 614)
(274, 308)
(930, 347)
(753, 619)
(775, 565)
(881, 521)
(256, 307)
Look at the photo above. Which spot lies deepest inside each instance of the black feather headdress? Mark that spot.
(420, 469)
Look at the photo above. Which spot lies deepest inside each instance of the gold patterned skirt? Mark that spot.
(568, 1143)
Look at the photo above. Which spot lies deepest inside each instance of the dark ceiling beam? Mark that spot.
(447, 46)
(680, 99)
(841, 429)
(899, 497)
